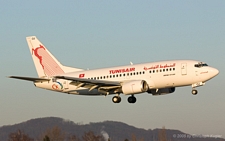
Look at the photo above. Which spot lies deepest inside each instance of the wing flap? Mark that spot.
(91, 84)
(81, 84)
(90, 81)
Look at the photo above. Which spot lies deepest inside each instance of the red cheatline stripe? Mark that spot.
(50, 66)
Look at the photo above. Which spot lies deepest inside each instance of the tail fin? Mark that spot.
(46, 64)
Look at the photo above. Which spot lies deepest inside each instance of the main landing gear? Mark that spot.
(132, 99)
(117, 99)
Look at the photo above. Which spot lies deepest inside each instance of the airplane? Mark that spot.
(156, 78)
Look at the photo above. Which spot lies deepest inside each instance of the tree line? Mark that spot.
(56, 134)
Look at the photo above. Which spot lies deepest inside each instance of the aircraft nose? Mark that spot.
(214, 72)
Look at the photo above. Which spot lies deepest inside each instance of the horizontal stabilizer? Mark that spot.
(30, 78)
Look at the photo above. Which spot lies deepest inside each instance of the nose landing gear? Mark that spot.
(198, 84)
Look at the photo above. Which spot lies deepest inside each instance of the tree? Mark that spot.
(53, 134)
(134, 138)
(90, 136)
(162, 134)
(73, 138)
(19, 136)
(46, 138)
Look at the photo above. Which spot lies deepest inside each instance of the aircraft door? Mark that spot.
(184, 69)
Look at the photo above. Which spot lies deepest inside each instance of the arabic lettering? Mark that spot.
(160, 66)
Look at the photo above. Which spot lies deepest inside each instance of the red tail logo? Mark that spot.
(35, 52)
(48, 64)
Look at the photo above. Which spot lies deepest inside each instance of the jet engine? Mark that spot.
(134, 87)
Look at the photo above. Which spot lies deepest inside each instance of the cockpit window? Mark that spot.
(200, 64)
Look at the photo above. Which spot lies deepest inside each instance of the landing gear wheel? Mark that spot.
(194, 92)
(132, 99)
(116, 99)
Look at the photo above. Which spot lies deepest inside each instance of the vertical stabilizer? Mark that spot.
(46, 64)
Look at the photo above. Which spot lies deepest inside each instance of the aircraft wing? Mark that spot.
(30, 78)
(91, 84)
(97, 82)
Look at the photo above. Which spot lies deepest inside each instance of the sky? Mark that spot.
(94, 34)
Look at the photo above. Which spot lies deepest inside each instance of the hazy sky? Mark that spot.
(94, 34)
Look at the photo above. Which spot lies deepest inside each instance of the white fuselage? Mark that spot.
(158, 75)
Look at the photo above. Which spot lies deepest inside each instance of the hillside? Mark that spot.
(116, 131)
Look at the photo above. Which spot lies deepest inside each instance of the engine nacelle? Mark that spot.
(162, 91)
(134, 87)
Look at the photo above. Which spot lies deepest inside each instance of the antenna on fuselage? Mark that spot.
(131, 63)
